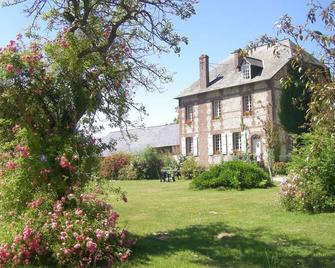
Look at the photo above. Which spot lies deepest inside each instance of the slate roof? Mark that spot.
(156, 136)
(225, 75)
(255, 62)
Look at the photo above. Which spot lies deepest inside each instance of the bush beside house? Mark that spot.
(233, 175)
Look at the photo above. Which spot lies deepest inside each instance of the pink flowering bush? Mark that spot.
(310, 185)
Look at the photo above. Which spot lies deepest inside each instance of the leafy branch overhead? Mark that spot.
(101, 54)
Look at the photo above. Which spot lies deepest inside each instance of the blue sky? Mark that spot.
(218, 28)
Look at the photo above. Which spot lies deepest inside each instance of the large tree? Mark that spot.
(50, 93)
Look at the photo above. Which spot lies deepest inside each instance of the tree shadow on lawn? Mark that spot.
(245, 248)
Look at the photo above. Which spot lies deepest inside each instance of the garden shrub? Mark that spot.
(190, 169)
(128, 172)
(148, 164)
(311, 182)
(111, 165)
(279, 168)
(79, 230)
(233, 175)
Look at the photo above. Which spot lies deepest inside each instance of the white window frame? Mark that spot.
(216, 109)
(237, 142)
(247, 103)
(246, 70)
(189, 145)
(189, 113)
(217, 144)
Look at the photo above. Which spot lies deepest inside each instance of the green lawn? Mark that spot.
(177, 227)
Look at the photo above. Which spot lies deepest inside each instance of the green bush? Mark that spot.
(279, 168)
(233, 175)
(128, 173)
(148, 164)
(190, 169)
(311, 182)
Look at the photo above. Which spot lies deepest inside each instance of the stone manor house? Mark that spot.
(223, 113)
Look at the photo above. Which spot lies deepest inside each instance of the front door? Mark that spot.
(257, 148)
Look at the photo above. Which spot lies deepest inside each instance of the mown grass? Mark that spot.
(178, 227)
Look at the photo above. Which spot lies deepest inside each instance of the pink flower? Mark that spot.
(64, 163)
(36, 203)
(63, 236)
(11, 165)
(125, 256)
(113, 216)
(76, 246)
(27, 232)
(23, 151)
(78, 212)
(91, 246)
(99, 233)
(10, 68)
(54, 225)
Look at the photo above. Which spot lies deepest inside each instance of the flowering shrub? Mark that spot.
(77, 232)
(310, 185)
(111, 165)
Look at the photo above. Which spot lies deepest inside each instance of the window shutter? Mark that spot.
(244, 141)
(210, 144)
(195, 146)
(183, 146)
(224, 143)
(229, 143)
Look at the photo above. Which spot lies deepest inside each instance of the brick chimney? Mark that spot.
(204, 71)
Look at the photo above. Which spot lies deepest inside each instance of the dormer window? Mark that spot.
(251, 67)
(245, 69)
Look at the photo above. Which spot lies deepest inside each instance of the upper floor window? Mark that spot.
(245, 69)
(237, 144)
(247, 105)
(189, 113)
(216, 106)
(217, 144)
(189, 145)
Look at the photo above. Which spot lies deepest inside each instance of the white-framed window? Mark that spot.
(237, 145)
(216, 109)
(245, 69)
(189, 145)
(217, 144)
(189, 113)
(247, 104)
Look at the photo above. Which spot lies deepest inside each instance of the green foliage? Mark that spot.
(294, 101)
(311, 183)
(233, 175)
(279, 168)
(190, 169)
(148, 164)
(128, 172)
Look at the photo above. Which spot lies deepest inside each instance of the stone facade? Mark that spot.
(263, 99)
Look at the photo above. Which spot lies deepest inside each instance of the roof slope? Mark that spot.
(225, 74)
(157, 136)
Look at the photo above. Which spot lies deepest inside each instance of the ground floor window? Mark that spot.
(217, 144)
(189, 145)
(237, 141)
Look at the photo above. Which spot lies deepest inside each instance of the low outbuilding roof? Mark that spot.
(138, 139)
